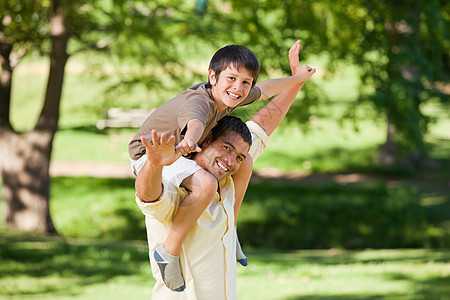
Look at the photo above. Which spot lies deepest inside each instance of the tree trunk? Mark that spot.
(26, 181)
(25, 159)
(5, 84)
(390, 155)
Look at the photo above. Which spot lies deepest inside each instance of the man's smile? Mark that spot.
(222, 166)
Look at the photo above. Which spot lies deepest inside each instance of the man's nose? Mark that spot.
(230, 159)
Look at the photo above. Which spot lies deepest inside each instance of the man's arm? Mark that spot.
(159, 154)
(271, 115)
(300, 74)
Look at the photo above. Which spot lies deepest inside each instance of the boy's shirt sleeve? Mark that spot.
(195, 108)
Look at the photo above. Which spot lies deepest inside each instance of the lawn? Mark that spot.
(37, 267)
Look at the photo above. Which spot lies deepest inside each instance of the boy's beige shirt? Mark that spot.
(172, 117)
(208, 254)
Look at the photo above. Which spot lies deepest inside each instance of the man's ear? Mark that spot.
(207, 140)
(212, 77)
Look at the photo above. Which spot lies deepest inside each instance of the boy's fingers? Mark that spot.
(197, 148)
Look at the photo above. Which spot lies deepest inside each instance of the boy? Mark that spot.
(189, 116)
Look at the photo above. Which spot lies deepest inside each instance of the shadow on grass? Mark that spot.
(374, 214)
(436, 288)
(331, 257)
(70, 262)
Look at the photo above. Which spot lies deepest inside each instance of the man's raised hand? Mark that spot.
(304, 72)
(160, 152)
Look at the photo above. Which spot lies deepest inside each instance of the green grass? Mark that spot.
(276, 214)
(37, 267)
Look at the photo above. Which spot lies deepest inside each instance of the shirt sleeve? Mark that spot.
(166, 207)
(260, 140)
(194, 108)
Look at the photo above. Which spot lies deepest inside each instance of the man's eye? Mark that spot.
(240, 158)
(231, 78)
(226, 148)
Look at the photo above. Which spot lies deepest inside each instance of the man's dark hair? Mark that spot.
(231, 123)
(238, 56)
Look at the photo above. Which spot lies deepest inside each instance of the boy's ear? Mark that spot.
(212, 77)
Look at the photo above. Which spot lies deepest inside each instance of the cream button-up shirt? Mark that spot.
(208, 254)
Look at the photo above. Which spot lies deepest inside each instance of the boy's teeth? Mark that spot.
(233, 95)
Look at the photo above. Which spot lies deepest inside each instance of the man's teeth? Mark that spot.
(222, 166)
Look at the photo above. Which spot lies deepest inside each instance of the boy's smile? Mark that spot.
(231, 87)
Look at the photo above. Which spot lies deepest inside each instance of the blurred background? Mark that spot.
(353, 193)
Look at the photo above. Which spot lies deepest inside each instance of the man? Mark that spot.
(208, 255)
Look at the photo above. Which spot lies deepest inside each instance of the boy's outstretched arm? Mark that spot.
(189, 144)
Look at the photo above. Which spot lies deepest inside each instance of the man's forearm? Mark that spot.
(149, 183)
(271, 115)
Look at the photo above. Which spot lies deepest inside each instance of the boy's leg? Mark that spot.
(202, 186)
(241, 179)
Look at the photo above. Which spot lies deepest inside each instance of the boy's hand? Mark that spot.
(187, 146)
(160, 153)
(303, 72)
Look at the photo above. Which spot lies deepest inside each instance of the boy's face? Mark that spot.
(231, 87)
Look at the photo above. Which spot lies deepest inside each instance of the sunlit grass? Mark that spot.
(36, 267)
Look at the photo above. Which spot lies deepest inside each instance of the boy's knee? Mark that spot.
(207, 184)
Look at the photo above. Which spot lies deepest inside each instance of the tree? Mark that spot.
(25, 159)
(400, 47)
(402, 50)
(147, 31)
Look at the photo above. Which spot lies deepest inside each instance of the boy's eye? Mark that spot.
(231, 78)
(226, 148)
(240, 158)
(246, 83)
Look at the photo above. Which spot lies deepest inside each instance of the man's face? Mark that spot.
(231, 87)
(224, 156)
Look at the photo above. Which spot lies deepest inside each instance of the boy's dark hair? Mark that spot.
(238, 56)
(231, 123)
